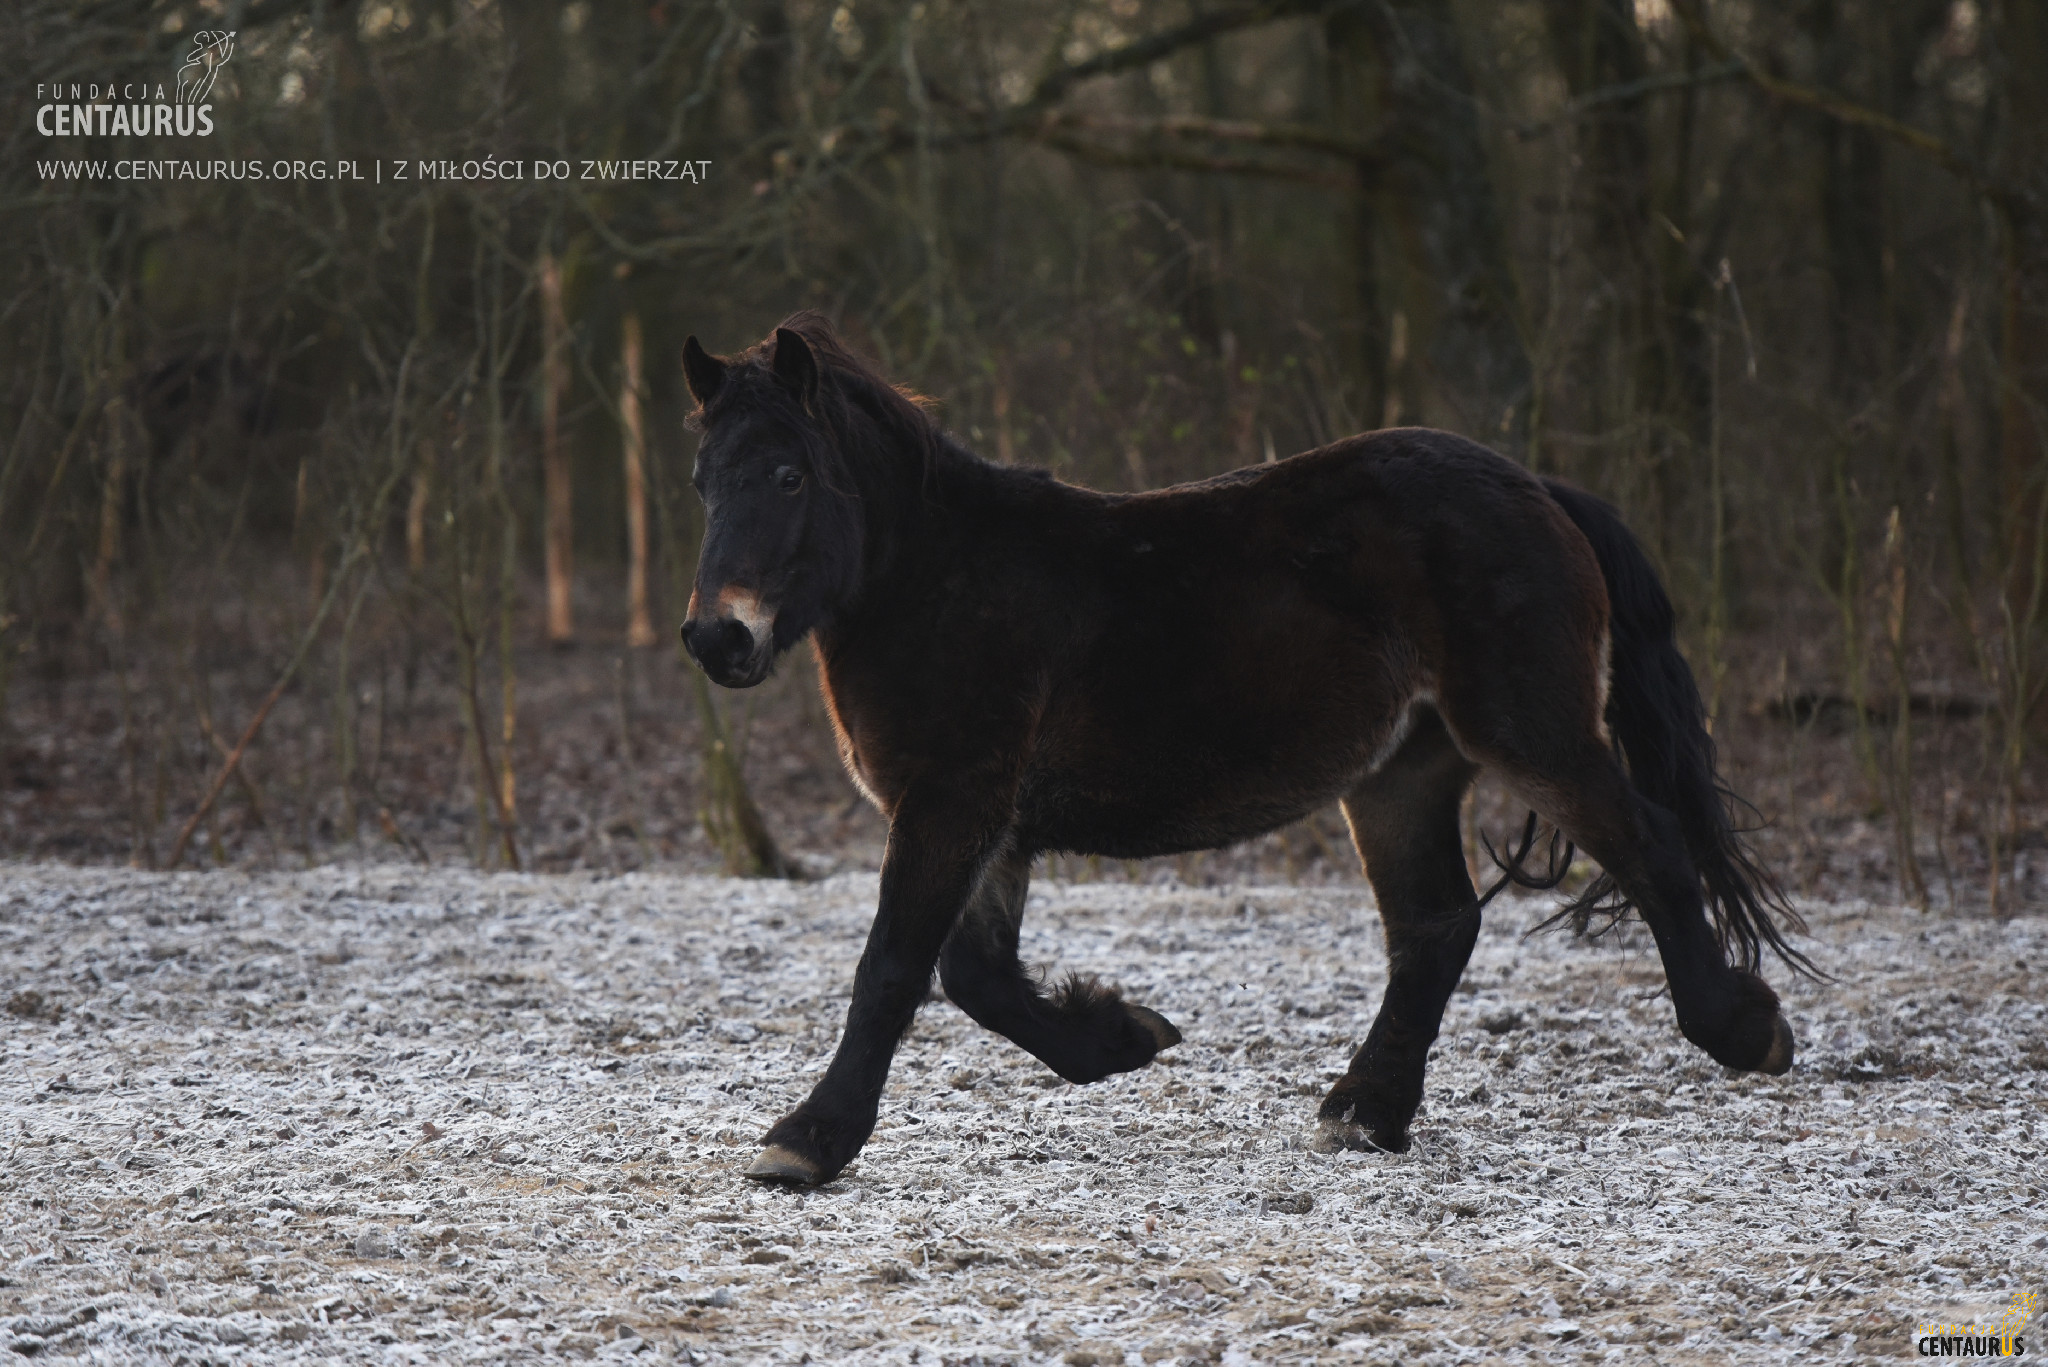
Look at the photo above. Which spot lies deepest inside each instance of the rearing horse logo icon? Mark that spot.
(210, 52)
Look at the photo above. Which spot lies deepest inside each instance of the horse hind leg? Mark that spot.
(1729, 1012)
(1404, 821)
(1566, 770)
(1083, 1030)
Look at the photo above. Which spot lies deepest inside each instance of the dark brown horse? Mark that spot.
(1016, 665)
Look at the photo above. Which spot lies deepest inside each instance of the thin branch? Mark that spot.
(359, 546)
(1163, 158)
(1157, 46)
(2008, 198)
(1625, 91)
(1290, 135)
(1033, 119)
(234, 759)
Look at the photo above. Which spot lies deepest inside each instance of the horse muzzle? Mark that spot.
(728, 651)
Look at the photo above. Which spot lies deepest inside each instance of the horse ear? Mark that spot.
(704, 372)
(794, 364)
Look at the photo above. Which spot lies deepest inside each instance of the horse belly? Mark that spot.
(1198, 793)
(1218, 726)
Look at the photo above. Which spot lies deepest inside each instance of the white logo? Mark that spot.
(140, 108)
(210, 52)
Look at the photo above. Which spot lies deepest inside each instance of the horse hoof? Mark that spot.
(1752, 1037)
(1755, 1038)
(786, 1166)
(1336, 1136)
(1162, 1030)
(1778, 1060)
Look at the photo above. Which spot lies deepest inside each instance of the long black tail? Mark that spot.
(1659, 725)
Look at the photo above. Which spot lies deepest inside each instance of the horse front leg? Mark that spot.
(1083, 1031)
(937, 853)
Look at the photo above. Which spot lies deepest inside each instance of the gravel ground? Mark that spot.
(388, 1114)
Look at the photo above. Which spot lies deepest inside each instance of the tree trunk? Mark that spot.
(639, 630)
(1357, 108)
(114, 481)
(1624, 347)
(2022, 40)
(1851, 213)
(763, 69)
(730, 817)
(416, 509)
(1440, 257)
(560, 527)
(1854, 209)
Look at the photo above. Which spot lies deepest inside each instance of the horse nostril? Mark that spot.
(718, 646)
(735, 640)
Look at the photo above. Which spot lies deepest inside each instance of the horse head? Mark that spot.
(782, 525)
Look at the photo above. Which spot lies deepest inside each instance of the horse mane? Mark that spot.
(868, 415)
(907, 404)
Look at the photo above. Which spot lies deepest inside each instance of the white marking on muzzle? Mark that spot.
(744, 607)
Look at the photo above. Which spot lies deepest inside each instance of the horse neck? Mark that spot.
(903, 486)
(906, 489)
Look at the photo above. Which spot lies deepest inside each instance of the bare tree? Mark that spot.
(633, 435)
(560, 524)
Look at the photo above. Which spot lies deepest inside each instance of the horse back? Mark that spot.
(1194, 665)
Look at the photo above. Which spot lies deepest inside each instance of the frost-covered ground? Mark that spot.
(400, 1115)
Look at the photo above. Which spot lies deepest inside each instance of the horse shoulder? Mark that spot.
(956, 702)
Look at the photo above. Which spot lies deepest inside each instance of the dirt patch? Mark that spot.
(387, 1114)
(608, 763)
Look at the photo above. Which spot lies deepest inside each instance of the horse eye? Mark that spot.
(788, 478)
